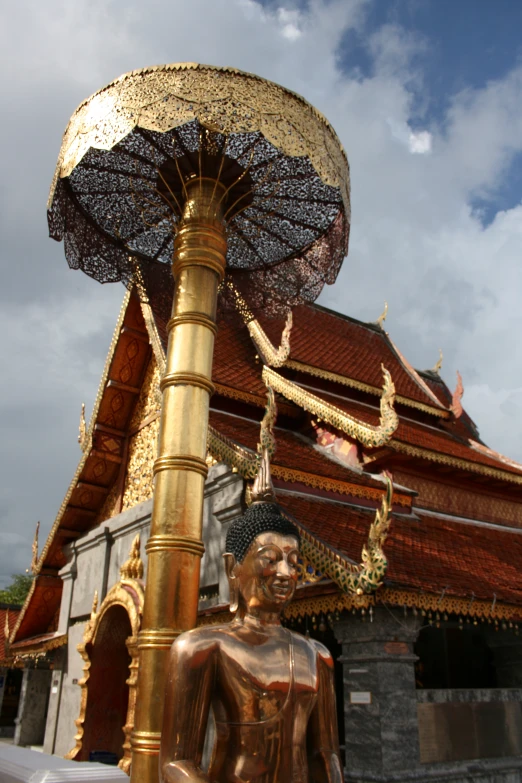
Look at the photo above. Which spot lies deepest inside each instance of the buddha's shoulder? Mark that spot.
(200, 639)
(313, 647)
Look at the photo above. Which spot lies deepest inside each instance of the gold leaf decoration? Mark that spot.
(366, 434)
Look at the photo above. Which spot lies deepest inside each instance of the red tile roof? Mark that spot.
(347, 347)
(431, 553)
(321, 338)
(44, 604)
(293, 451)
(234, 360)
(424, 436)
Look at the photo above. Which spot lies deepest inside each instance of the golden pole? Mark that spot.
(175, 547)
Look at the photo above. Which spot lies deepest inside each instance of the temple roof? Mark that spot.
(338, 359)
(427, 552)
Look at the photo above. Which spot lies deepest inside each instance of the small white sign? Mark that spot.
(357, 671)
(54, 689)
(360, 697)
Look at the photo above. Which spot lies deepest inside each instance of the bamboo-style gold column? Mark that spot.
(175, 547)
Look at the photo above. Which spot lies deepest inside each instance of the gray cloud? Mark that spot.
(415, 242)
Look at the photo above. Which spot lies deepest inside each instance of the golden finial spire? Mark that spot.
(266, 432)
(133, 566)
(381, 319)
(262, 489)
(437, 367)
(34, 559)
(82, 429)
(7, 631)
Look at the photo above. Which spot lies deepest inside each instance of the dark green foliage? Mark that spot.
(16, 593)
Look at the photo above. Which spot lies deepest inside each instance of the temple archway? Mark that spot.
(108, 695)
(110, 654)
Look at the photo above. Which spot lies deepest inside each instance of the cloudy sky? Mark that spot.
(426, 98)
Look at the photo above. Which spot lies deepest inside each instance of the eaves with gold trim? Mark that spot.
(93, 450)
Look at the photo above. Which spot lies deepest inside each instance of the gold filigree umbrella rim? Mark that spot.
(63, 170)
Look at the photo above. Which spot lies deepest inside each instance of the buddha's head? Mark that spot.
(261, 559)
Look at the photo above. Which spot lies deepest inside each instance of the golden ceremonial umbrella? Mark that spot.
(217, 172)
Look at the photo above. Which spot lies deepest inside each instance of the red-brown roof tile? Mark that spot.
(347, 347)
(293, 451)
(432, 554)
(320, 338)
(424, 436)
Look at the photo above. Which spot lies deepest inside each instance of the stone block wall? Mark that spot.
(32, 710)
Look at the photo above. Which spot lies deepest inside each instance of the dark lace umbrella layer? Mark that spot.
(119, 188)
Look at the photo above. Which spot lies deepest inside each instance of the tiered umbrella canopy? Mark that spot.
(129, 150)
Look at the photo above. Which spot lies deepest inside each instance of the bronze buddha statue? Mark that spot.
(271, 690)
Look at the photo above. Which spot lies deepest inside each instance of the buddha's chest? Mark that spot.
(257, 683)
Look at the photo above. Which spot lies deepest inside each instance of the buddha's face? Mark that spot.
(267, 577)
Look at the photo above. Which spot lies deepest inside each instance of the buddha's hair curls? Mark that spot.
(258, 518)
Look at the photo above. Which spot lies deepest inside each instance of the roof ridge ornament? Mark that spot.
(34, 548)
(456, 405)
(438, 365)
(381, 319)
(262, 490)
(82, 429)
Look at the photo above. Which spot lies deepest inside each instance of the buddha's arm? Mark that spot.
(323, 741)
(187, 705)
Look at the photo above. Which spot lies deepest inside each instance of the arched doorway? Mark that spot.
(110, 653)
(108, 699)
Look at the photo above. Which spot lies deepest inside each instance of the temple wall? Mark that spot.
(396, 733)
(60, 727)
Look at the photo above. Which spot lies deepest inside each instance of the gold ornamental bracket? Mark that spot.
(34, 550)
(128, 593)
(82, 429)
(366, 434)
(271, 356)
(351, 578)
(240, 459)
